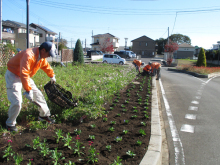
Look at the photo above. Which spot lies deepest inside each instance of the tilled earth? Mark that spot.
(118, 112)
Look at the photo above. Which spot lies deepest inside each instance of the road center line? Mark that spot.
(178, 146)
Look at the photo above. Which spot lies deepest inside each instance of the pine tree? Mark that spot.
(201, 59)
(78, 52)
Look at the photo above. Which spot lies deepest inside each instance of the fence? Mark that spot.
(67, 56)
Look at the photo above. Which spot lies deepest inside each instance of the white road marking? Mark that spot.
(190, 116)
(195, 102)
(178, 146)
(198, 97)
(193, 108)
(187, 128)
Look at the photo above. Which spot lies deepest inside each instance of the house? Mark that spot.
(144, 46)
(15, 33)
(185, 51)
(216, 46)
(45, 34)
(100, 39)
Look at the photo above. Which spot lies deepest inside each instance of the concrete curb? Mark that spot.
(153, 155)
(195, 74)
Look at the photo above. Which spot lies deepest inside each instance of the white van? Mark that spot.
(129, 53)
(113, 58)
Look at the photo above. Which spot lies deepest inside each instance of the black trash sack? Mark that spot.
(59, 95)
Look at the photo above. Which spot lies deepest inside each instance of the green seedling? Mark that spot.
(112, 122)
(130, 153)
(111, 129)
(108, 147)
(92, 125)
(125, 131)
(77, 132)
(141, 131)
(118, 139)
(105, 119)
(139, 142)
(59, 134)
(92, 137)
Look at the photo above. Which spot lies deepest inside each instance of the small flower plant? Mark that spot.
(92, 137)
(78, 147)
(105, 119)
(141, 131)
(44, 148)
(125, 131)
(59, 134)
(108, 148)
(126, 101)
(122, 105)
(134, 116)
(143, 123)
(117, 162)
(139, 142)
(118, 139)
(118, 115)
(130, 153)
(92, 154)
(126, 121)
(111, 129)
(112, 122)
(124, 110)
(77, 132)
(92, 125)
(56, 156)
(8, 151)
(67, 140)
(18, 159)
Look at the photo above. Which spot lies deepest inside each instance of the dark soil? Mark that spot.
(103, 137)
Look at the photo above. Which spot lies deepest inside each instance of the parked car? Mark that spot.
(123, 54)
(113, 58)
(92, 52)
(129, 53)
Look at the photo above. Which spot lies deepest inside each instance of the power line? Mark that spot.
(174, 24)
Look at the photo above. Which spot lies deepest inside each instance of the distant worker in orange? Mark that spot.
(147, 70)
(155, 69)
(137, 64)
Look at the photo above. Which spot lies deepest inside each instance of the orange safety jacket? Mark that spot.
(155, 65)
(147, 68)
(138, 63)
(25, 64)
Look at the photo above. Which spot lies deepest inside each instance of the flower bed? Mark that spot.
(121, 135)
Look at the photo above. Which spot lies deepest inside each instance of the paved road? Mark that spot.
(192, 118)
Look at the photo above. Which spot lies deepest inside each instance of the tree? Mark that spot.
(160, 42)
(62, 44)
(170, 48)
(78, 52)
(180, 38)
(107, 46)
(201, 59)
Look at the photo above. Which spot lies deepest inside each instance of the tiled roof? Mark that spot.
(105, 35)
(43, 28)
(16, 24)
(185, 45)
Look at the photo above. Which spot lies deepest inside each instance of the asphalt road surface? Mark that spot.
(191, 112)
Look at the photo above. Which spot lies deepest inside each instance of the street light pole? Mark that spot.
(126, 42)
(27, 23)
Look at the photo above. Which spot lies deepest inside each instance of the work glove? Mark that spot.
(29, 95)
(53, 79)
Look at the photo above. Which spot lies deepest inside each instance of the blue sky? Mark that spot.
(122, 18)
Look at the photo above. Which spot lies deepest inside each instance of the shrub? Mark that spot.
(78, 52)
(201, 59)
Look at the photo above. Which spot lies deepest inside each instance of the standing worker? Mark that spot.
(155, 69)
(147, 70)
(137, 64)
(21, 68)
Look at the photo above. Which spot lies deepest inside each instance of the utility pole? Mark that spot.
(85, 45)
(71, 43)
(168, 35)
(28, 23)
(1, 21)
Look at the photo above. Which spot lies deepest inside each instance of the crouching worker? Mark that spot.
(21, 68)
(146, 70)
(155, 69)
(137, 64)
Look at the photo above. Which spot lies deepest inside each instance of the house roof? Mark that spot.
(43, 28)
(142, 37)
(105, 35)
(185, 45)
(15, 24)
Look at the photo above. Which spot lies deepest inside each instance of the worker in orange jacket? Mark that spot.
(155, 69)
(137, 64)
(21, 68)
(147, 70)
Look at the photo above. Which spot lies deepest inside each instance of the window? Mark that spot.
(146, 43)
(40, 35)
(139, 43)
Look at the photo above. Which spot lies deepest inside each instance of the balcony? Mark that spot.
(8, 36)
(115, 44)
(50, 38)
